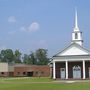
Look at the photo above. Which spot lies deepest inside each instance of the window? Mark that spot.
(76, 36)
(42, 72)
(24, 73)
(76, 68)
(18, 73)
(2, 72)
(36, 72)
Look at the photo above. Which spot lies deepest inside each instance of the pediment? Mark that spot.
(73, 49)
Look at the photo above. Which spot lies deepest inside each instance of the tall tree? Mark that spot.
(7, 55)
(27, 59)
(41, 55)
(2, 56)
(33, 58)
(17, 56)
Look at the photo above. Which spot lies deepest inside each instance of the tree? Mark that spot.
(7, 55)
(2, 56)
(17, 56)
(41, 56)
(33, 59)
(29, 59)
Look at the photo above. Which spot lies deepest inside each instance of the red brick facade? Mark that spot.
(28, 70)
(32, 70)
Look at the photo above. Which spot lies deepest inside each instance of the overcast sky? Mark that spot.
(31, 24)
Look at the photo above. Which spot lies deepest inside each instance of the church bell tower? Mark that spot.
(76, 34)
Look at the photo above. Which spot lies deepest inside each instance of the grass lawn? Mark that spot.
(40, 84)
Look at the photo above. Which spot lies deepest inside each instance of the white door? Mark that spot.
(89, 72)
(62, 73)
(76, 72)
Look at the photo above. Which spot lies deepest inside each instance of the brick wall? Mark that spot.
(32, 70)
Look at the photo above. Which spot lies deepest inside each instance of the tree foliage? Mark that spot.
(17, 56)
(29, 59)
(7, 55)
(26, 59)
(39, 57)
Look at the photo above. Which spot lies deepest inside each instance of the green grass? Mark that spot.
(40, 84)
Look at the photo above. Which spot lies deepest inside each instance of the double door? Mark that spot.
(62, 73)
(76, 72)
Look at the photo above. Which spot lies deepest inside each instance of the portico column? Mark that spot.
(54, 72)
(84, 76)
(66, 69)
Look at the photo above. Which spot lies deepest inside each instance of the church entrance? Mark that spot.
(76, 72)
(62, 73)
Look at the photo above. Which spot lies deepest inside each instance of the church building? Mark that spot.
(74, 61)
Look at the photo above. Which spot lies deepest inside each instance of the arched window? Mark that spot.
(76, 68)
(76, 36)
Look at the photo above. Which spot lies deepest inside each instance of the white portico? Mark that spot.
(74, 61)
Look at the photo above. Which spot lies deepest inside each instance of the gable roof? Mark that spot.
(73, 49)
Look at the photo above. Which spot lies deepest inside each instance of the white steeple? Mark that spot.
(76, 22)
(77, 35)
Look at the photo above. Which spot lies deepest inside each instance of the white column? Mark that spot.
(54, 72)
(66, 69)
(84, 76)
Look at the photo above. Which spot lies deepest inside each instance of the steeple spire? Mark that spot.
(77, 35)
(76, 21)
